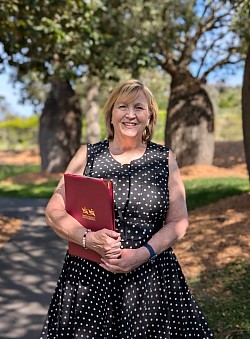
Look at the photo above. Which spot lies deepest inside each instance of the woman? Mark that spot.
(138, 291)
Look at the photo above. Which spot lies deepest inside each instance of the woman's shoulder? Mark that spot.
(78, 161)
(160, 147)
(98, 146)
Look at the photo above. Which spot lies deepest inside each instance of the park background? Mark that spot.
(215, 252)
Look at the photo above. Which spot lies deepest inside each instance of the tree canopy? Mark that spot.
(69, 38)
(66, 39)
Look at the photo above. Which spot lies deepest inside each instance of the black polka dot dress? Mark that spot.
(151, 302)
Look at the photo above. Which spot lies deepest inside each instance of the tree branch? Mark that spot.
(205, 25)
(208, 49)
(220, 63)
(169, 64)
(190, 47)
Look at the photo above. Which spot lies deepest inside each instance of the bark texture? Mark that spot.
(246, 109)
(93, 130)
(60, 127)
(190, 121)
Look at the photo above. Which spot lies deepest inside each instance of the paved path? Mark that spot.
(29, 267)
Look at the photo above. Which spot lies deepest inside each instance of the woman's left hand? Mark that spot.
(129, 260)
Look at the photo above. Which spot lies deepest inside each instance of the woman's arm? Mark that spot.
(176, 221)
(105, 242)
(173, 230)
(56, 216)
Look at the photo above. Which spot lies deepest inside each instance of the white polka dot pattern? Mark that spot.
(151, 302)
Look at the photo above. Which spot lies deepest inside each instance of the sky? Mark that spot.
(12, 95)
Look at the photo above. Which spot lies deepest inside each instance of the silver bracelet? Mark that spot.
(84, 237)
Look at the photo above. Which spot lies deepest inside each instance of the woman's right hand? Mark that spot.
(105, 242)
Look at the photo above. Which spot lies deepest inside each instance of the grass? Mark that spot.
(43, 190)
(224, 296)
(7, 171)
(201, 192)
(160, 127)
(24, 190)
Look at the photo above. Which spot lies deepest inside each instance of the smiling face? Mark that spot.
(131, 94)
(130, 117)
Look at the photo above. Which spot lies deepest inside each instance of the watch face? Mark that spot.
(153, 258)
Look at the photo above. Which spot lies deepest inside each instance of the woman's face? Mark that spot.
(130, 119)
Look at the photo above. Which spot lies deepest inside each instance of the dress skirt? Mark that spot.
(152, 301)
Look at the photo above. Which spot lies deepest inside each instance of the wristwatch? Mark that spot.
(152, 253)
(84, 237)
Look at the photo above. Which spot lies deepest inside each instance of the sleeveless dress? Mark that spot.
(152, 301)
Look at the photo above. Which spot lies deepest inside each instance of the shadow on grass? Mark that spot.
(224, 296)
(44, 190)
(7, 171)
(201, 192)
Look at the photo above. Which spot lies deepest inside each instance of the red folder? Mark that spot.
(91, 202)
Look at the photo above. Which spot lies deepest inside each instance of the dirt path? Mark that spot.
(217, 235)
(8, 227)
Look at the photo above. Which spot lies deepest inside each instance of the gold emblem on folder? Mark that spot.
(88, 213)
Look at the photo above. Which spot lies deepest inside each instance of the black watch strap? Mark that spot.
(152, 253)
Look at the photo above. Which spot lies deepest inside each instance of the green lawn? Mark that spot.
(201, 192)
(224, 297)
(44, 190)
(7, 171)
(24, 190)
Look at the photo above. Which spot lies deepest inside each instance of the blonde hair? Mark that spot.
(128, 92)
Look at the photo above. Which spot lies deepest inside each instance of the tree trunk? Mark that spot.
(190, 121)
(60, 127)
(246, 109)
(93, 129)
